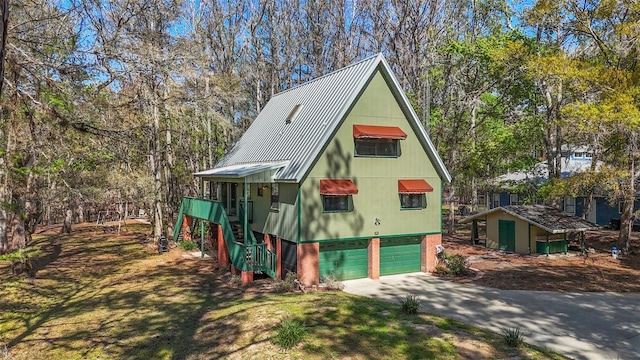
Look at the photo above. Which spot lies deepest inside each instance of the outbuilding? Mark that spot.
(527, 229)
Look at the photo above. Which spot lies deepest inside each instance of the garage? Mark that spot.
(344, 259)
(399, 255)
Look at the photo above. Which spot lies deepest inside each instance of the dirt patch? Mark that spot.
(572, 272)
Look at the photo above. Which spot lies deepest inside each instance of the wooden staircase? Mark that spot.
(245, 256)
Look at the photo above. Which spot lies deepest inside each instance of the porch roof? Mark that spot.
(242, 170)
(547, 218)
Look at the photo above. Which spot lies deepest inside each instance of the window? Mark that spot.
(413, 193)
(514, 199)
(336, 195)
(275, 196)
(413, 201)
(496, 201)
(214, 191)
(260, 191)
(579, 155)
(379, 141)
(336, 203)
(377, 147)
(570, 205)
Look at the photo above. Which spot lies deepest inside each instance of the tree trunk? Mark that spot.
(4, 241)
(627, 218)
(157, 175)
(66, 225)
(4, 16)
(452, 213)
(80, 211)
(18, 238)
(474, 181)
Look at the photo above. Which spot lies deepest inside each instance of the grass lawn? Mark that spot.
(102, 296)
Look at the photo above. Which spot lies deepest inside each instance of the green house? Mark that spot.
(335, 177)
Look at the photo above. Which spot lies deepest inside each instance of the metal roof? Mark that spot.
(325, 102)
(242, 170)
(540, 171)
(545, 217)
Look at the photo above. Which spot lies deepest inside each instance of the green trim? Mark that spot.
(369, 237)
(441, 193)
(299, 213)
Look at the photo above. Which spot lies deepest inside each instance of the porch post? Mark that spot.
(201, 238)
(547, 244)
(246, 214)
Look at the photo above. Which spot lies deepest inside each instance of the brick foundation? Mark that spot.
(234, 271)
(247, 277)
(428, 251)
(223, 252)
(373, 259)
(187, 223)
(308, 265)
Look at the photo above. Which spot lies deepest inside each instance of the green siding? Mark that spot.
(344, 259)
(376, 178)
(507, 235)
(283, 222)
(399, 255)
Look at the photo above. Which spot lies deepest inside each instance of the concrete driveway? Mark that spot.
(596, 326)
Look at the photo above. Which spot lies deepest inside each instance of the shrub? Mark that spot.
(21, 260)
(289, 333)
(513, 337)
(286, 285)
(188, 245)
(331, 282)
(410, 304)
(457, 265)
(441, 269)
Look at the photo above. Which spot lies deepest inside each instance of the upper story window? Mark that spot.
(336, 195)
(570, 205)
(514, 199)
(496, 201)
(413, 193)
(275, 196)
(377, 141)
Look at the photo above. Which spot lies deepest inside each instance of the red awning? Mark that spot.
(417, 186)
(378, 132)
(337, 187)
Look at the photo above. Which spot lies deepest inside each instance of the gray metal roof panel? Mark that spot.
(242, 170)
(326, 101)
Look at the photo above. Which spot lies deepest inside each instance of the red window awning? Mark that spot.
(417, 186)
(337, 187)
(378, 132)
